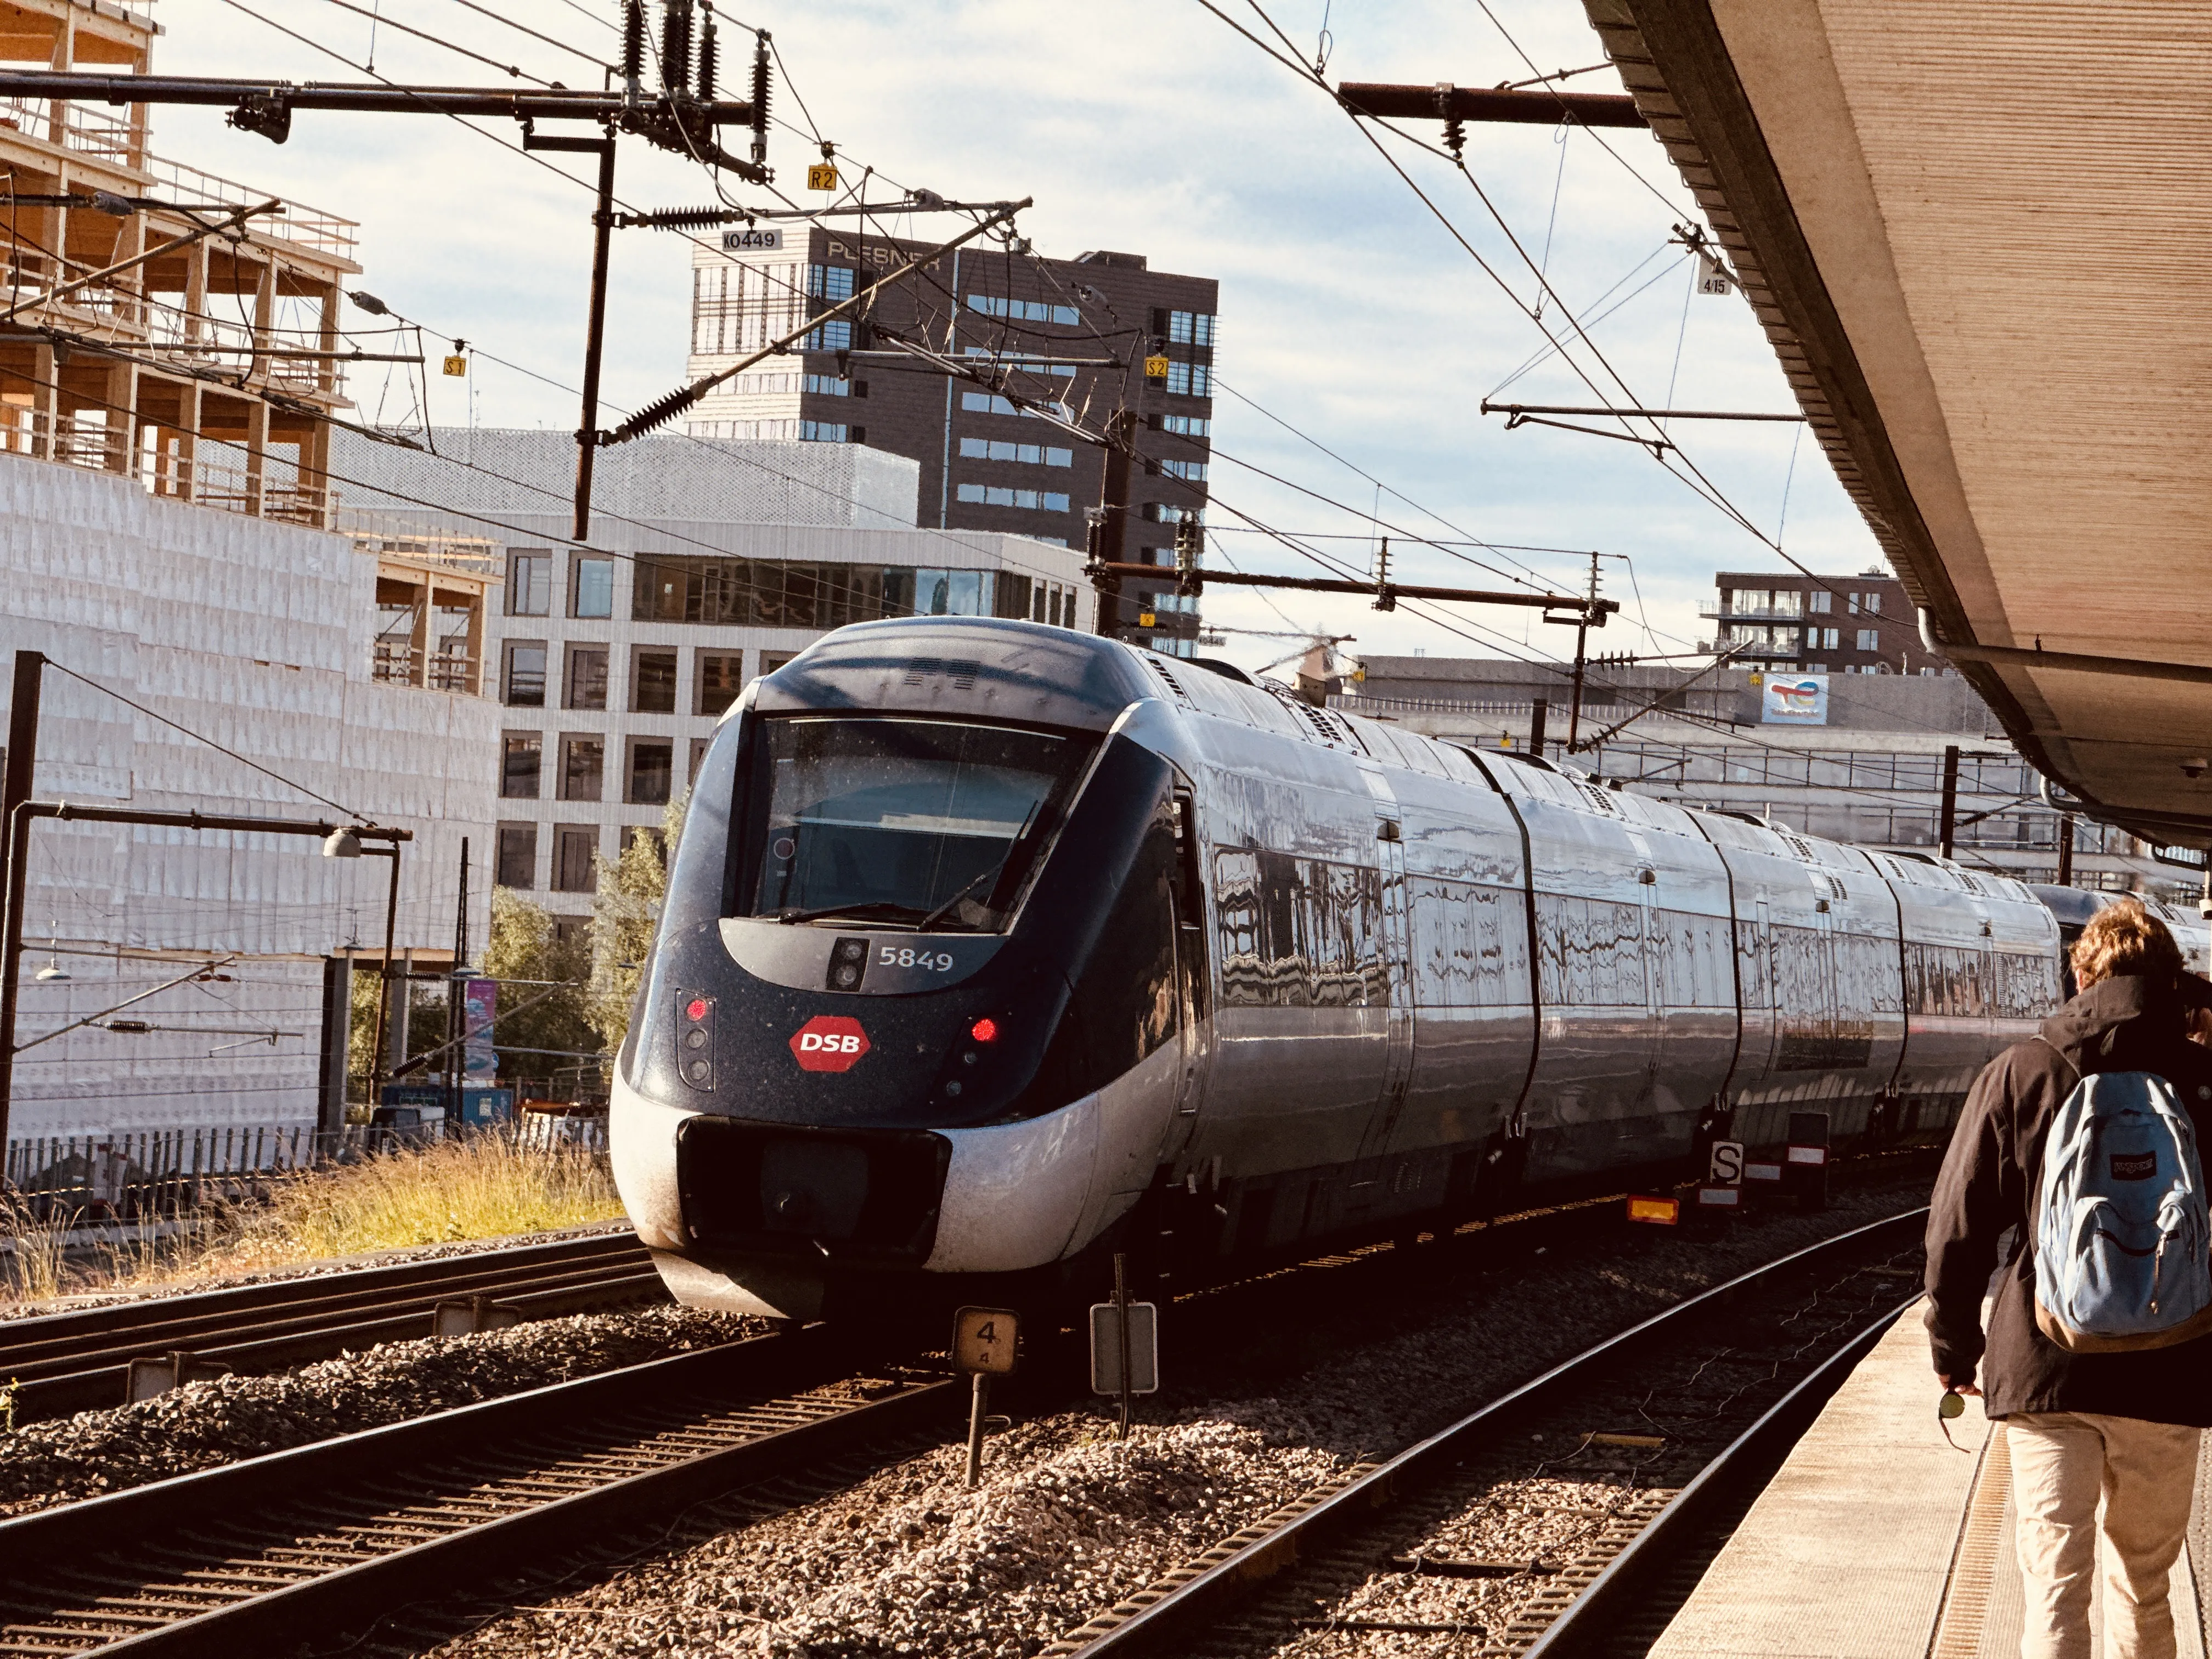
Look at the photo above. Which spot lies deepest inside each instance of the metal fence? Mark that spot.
(157, 1172)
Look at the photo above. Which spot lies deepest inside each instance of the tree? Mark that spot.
(525, 944)
(625, 913)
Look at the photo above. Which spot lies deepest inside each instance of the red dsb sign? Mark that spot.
(829, 1043)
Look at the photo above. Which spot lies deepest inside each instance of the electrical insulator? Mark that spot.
(676, 48)
(686, 218)
(633, 50)
(1190, 549)
(1455, 137)
(709, 56)
(760, 99)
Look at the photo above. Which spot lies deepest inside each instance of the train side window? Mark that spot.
(1237, 910)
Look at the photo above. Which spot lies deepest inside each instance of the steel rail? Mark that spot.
(1670, 1530)
(255, 1556)
(71, 1361)
(1168, 1623)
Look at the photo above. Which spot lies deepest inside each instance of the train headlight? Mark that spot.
(848, 963)
(695, 1039)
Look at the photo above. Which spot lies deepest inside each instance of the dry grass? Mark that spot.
(33, 1270)
(484, 1186)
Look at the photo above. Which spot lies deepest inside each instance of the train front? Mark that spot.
(869, 1068)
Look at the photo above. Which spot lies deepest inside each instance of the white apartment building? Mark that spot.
(710, 563)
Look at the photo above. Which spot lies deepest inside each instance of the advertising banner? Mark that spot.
(479, 1004)
(1789, 699)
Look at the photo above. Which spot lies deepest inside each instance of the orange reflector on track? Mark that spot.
(1658, 1212)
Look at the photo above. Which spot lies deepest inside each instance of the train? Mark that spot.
(991, 949)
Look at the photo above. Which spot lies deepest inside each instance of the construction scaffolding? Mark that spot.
(202, 371)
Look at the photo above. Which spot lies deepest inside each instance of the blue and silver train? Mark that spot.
(991, 948)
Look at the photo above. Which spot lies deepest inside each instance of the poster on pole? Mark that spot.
(1791, 699)
(480, 1005)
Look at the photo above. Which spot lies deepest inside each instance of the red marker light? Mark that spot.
(985, 1029)
(695, 1009)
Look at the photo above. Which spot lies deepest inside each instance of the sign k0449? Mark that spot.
(829, 1043)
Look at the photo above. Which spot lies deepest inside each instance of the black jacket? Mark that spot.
(1990, 1178)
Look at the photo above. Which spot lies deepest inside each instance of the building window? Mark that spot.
(653, 682)
(1818, 604)
(575, 846)
(592, 587)
(583, 767)
(1188, 426)
(650, 835)
(698, 754)
(829, 282)
(830, 432)
(836, 335)
(1823, 639)
(1028, 500)
(720, 675)
(1024, 311)
(950, 593)
(827, 385)
(530, 582)
(1191, 471)
(524, 679)
(772, 661)
(652, 769)
(784, 429)
(587, 677)
(523, 754)
(1873, 604)
(1190, 328)
(1190, 380)
(518, 856)
(996, 449)
(1869, 639)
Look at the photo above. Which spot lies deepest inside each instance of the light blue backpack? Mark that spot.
(2123, 1241)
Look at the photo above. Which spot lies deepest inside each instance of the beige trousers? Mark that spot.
(2062, 1463)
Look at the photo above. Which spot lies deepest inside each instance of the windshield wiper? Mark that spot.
(887, 909)
(923, 926)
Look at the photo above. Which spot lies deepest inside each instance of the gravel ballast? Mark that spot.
(205, 1424)
(1353, 1363)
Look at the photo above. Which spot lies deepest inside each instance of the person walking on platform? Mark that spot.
(2098, 1357)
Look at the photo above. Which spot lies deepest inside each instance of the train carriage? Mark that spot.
(990, 948)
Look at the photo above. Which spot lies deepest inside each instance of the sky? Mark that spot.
(1359, 336)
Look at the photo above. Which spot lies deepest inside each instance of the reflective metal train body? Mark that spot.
(990, 947)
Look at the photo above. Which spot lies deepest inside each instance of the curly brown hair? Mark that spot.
(2124, 940)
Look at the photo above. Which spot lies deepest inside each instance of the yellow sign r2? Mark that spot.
(822, 175)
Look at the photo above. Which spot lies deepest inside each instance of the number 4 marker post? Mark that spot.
(983, 1346)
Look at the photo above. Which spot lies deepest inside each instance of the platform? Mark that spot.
(1877, 1540)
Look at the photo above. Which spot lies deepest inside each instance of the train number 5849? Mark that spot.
(929, 962)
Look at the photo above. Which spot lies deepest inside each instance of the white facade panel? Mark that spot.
(256, 635)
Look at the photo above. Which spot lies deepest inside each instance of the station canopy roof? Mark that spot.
(1975, 232)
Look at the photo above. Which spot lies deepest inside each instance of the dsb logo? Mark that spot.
(829, 1043)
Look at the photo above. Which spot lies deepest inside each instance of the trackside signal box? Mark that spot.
(1106, 1348)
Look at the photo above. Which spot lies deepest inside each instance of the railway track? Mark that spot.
(323, 1540)
(279, 1549)
(69, 1362)
(1544, 1523)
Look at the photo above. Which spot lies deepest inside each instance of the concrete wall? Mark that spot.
(257, 636)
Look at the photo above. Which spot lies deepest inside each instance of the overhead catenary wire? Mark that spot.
(1696, 479)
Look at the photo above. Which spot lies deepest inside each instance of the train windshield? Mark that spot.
(920, 823)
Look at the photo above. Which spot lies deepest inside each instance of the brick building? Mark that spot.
(1860, 624)
(1075, 332)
